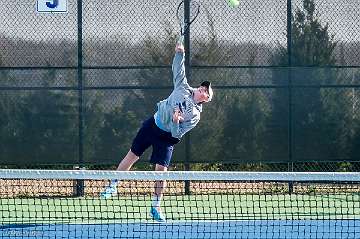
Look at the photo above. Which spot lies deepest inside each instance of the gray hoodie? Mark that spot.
(180, 98)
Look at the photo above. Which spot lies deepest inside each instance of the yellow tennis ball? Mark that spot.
(233, 3)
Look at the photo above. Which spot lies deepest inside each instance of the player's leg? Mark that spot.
(140, 143)
(161, 156)
(158, 195)
(128, 161)
(159, 187)
(124, 165)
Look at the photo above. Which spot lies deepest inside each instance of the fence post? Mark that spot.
(79, 182)
(290, 130)
(188, 75)
(80, 83)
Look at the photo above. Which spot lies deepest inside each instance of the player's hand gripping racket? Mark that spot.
(184, 25)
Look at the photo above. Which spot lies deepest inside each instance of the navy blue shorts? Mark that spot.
(161, 141)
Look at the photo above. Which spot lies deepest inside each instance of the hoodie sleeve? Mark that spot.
(178, 130)
(178, 68)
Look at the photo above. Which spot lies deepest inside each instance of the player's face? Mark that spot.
(201, 94)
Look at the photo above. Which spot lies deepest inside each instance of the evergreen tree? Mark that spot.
(318, 114)
(48, 132)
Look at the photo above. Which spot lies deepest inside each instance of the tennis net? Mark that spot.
(67, 204)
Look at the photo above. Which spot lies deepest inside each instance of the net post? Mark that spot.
(78, 184)
(291, 183)
(187, 182)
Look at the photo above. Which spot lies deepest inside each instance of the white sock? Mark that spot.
(156, 201)
(113, 183)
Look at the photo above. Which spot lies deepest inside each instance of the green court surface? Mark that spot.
(181, 208)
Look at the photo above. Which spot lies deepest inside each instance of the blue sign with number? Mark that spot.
(52, 6)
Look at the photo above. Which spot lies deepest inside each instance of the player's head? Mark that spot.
(204, 93)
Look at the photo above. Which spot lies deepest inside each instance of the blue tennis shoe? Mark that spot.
(157, 215)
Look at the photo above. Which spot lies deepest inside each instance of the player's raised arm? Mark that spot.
(178, 66)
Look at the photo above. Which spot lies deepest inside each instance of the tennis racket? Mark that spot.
(183, 23)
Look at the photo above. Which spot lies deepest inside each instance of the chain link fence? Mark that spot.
(75, 86)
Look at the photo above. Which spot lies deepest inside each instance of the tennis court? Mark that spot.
(225, 229)
(45, 204)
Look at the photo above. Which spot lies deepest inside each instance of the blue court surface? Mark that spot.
(210, 229)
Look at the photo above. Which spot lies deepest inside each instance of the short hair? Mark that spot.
(207, 84)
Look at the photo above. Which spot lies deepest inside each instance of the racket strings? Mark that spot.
(194, 10)
(193, 13)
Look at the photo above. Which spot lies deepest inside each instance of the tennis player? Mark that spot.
(175, 116)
